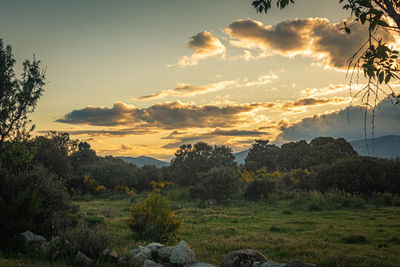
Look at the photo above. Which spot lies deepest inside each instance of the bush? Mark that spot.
(219, 184)
(32, 200)
(90, 241)
(259, 189)
(364, 175)
(154, 220)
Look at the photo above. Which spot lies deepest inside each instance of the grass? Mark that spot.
(336, 230)
(283, 229)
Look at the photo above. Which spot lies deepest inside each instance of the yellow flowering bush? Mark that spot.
(154, 220)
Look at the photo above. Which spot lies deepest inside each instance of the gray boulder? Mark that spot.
(31, 239)
(153, 246)
(163, 254)
(182, 254)
(82, 259)
(271, 263)
(296, 263)
(139, 259)
(149, 263)
(242, 258)
(198, 264)
(144, 250)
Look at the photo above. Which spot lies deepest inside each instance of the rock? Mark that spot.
(271, 263)
(242, 258)
(198, 264)
(163, 254)
(182, 254)
(153, 246)
(296, 263)
(32, 239)
(139, 259)
(83, 259)
(141, 249)
(110, 255)
(149, 263)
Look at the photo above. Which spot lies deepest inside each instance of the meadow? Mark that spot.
(335, 229)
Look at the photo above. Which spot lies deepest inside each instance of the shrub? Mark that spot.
(364, 175)
(32, 200)
(90, 241)
(154, 220)
(259, 189)
(219, 184)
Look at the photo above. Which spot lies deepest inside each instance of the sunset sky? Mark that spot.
(143, 77)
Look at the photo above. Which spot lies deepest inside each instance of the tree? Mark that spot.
(376, 59)
(190, 160)
(261, 155)
(18, 97)
(53, 152)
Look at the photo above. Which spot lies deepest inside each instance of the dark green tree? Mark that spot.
(190, 160)
(18, 97)
(53, 151)
(262, 155)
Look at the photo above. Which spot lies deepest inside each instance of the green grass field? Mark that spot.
(281, 229)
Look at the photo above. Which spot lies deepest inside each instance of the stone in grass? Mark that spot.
(82, 259)
(182, 254)
(268, 263)
(296, 263)
(145, 250)
(198, 264)
(163, 254)
(32, 239)
(242, 258)
(153, 246)
(110, 255)
(139, 259)
(149, 263)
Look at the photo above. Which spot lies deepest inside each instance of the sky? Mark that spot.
(143, 77)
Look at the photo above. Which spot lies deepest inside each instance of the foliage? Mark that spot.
(296, 179)
(16, 156)
(53, 151)
(219, 183)
(154, 220)
(145, 176)
(295, 155)
(89, 240)
(364, 175)
(18, 97)
(190, 160)
(32, 200)
(259, 189)
(261, 155)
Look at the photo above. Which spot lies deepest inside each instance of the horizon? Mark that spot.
(121, 80)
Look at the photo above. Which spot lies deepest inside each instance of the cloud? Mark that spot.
(177, 115)
(331, 89)
(188, 90)
(217, 135)
(205, 45)
(169, 115)
(112, 132)
(311, 101)
(314, 37)
(336, 124)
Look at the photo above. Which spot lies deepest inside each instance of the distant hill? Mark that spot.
(240, 156)
(384, 147)
(143, 160)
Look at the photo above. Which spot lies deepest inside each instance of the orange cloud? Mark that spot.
(314, 37)
(205, 45)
